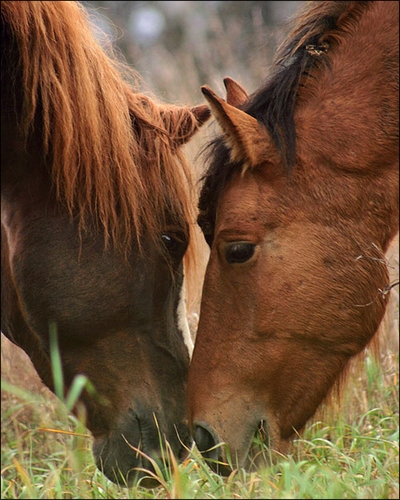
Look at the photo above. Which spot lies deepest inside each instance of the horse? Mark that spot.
(97, 224)
(298, 203)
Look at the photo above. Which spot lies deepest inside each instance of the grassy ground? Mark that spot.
(352, 453)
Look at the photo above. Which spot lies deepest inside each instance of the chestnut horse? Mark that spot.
(299, 205)
(97, 215)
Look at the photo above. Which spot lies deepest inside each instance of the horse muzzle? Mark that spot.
(130, 452)
(250, 454)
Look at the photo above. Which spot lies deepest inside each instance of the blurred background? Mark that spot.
(179, 46)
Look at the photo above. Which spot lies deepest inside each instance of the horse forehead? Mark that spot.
(249, 198)
(241, 195)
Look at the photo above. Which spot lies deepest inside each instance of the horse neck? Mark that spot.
(347, 112)
(347, 119)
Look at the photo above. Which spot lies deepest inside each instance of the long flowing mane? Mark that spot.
(107, 145)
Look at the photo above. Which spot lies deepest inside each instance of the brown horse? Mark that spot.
(299, 204)
(97, 215)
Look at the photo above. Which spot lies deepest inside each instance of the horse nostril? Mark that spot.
(206, 442)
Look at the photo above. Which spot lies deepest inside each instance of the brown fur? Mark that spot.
(306, 173)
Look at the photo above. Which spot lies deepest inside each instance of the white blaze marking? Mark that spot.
(183, 324)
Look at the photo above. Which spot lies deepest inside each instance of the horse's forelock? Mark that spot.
(108, 143)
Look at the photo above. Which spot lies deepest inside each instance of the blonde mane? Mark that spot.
(112, 151)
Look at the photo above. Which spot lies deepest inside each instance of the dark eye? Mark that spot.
(174, 244)
(169, 242)
(239, 252)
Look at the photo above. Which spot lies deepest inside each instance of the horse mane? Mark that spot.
(111, 149)
(314, 31)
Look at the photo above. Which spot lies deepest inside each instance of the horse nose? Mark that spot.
(206, 441)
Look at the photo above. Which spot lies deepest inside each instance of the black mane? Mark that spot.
(273, 104)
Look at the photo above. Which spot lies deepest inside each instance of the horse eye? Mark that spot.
(174, 244)
(239, 252)
(168, 241)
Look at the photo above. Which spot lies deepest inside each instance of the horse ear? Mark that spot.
(201, 113)
(249, 140)
(235, 93)
(182, 122)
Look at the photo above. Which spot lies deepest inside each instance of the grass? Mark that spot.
(46, 452)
